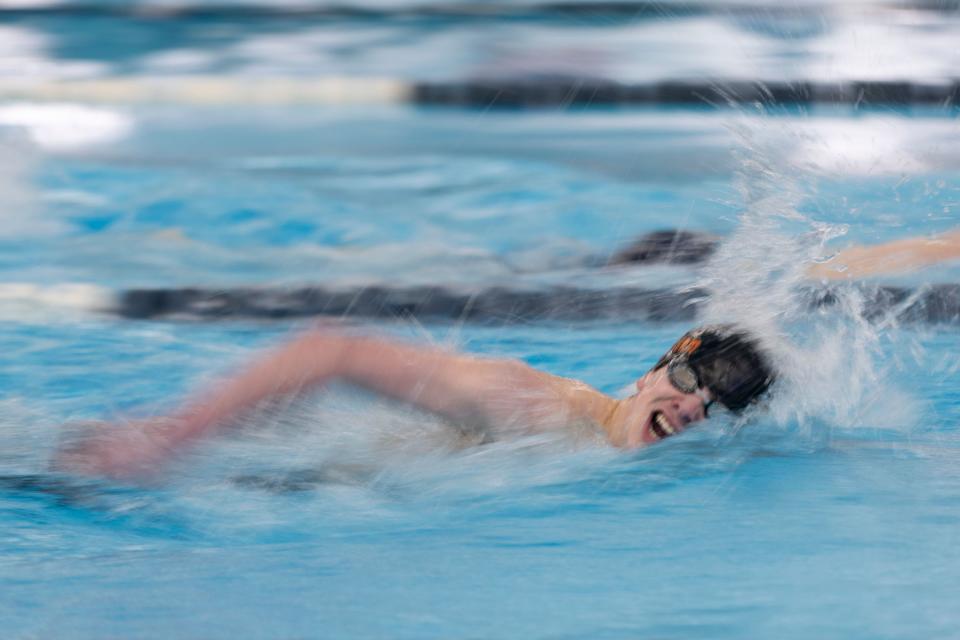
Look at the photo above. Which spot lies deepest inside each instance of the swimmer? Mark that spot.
(682, 246)
(715, 364)
(504, 301)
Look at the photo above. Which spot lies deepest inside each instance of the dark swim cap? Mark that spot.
(727, 361)
(669, 246)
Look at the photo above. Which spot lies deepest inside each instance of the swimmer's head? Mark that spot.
(669, 246)
(722, 359)
(714, 364)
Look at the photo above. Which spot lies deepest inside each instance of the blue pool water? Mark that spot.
(828, 516)
(833, 512)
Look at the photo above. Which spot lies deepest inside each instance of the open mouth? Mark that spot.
(660, 426)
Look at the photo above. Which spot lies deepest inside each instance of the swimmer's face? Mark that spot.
(659, 410)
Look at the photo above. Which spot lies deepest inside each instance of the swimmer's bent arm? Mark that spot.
(459, 387)
(453, 385)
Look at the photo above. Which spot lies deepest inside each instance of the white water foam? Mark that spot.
(20, 300)
(65, 126)
(831, 364)
(28, 4)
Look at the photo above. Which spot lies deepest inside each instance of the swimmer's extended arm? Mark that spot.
(892, 257)
(459, 387)
(454, 385)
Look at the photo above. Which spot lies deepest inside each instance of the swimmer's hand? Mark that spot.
(130, 450)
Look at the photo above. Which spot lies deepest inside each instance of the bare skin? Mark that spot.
(892, 257)
(462, 389)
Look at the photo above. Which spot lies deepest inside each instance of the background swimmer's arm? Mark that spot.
(892, 257)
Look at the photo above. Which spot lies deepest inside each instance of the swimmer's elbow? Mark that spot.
(317, 357)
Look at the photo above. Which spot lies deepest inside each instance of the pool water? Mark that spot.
(838, 520)
(831, 512)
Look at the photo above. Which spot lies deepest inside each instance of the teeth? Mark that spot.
(663, 424)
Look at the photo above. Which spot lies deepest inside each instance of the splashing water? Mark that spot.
(830, 368)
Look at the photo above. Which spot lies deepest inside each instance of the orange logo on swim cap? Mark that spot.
(686, 345)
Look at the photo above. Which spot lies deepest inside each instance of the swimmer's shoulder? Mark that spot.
(573, 398)
(507, 391)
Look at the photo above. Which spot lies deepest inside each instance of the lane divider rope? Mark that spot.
(559, 93)
(932, 304)
(603, 10)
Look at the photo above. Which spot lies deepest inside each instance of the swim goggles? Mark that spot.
(685, 379)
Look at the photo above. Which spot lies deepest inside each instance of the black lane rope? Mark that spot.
(935, 98)
(713, 93)
(465, 11)
(933, 304)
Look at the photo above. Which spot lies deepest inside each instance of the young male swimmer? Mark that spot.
(714, 364)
